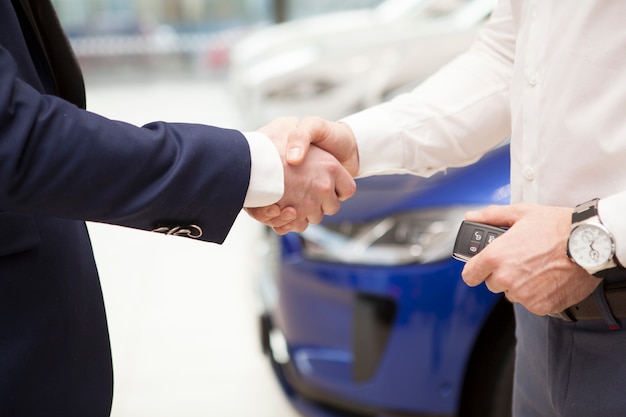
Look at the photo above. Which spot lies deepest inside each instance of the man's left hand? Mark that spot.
(529, 263)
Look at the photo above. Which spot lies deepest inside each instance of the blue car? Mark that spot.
(366, 314)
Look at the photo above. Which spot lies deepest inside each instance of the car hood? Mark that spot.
(483, 183)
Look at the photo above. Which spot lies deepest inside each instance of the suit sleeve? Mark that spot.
(58, 160)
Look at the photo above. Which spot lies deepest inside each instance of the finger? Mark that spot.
(493, 286)
(273, 216)
(263, 214)
(509, 296)
(474, 272)
(283, 230)
(471, 279)
(497, 215)
(315, 216)
(331, 206)
(299, 225)
(345, 186)
(287, 215)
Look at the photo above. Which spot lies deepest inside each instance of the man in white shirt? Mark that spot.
(552, 75)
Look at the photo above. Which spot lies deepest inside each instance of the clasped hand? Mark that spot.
(316, 181)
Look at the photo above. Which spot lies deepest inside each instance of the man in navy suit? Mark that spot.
(61, 165)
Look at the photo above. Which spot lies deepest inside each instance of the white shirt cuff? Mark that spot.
(380, 151)
(266, 174)
(611, 212)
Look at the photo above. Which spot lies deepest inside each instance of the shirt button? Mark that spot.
(529, 174)
(532, 78)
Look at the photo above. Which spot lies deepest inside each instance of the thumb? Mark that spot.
(336, 138)
(298, 143)
(310, 130)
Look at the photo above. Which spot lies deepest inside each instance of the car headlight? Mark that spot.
(416, 237)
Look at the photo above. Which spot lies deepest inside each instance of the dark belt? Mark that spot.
(588, 309)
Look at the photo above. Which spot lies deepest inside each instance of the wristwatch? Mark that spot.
(590, 244)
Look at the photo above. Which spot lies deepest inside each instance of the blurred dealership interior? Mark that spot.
(91, 17)
(161, 35)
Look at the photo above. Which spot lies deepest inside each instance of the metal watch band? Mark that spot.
(585, 210)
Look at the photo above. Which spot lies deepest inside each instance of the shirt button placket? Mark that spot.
(531, 104)
(529, 174)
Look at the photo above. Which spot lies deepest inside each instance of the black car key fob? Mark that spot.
(472, 238)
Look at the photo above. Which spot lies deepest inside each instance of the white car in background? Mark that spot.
(334, 64)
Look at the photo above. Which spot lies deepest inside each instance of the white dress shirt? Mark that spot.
(550, 73)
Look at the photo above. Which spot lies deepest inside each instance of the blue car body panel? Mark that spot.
(484, 182)
(436, 317)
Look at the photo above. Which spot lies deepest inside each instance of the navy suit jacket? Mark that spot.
(59, 166)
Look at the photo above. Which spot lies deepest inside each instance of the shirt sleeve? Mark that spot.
(451, 119)
(266, 175)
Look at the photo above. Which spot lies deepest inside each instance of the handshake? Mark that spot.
(316, 178)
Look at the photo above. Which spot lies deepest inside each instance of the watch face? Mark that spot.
(590, 246)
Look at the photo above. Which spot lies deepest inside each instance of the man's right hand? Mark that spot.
(334, 137)
(314, 186)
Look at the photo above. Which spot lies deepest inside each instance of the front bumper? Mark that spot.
(312, 401)
(350, 341)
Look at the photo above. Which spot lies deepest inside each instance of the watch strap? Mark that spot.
(585, 210)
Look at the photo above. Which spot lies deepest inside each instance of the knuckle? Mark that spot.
(296, 135)
(315, 219)
(281, 230)
(332, 209)
(468, 277)
(316, 120)
(489, 259)
(347, 191)
(490, 210)
(300, 226)
(505, 281)
(352, 188)
(538, 308)
(323, 186)
(489, 286)
(333, 168)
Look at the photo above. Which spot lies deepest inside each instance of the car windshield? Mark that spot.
(393, 9)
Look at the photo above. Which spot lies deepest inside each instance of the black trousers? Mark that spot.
(569, 369)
